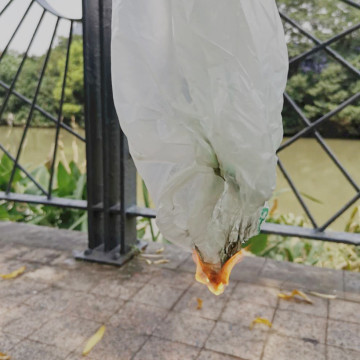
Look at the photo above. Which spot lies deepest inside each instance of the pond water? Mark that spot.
(310, 168)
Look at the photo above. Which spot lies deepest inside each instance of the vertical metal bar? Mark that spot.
(16, 30)
(20, 66)
(128, 197)
(59, 119)
(93, 126)
(111, 172)
(119, 169)
(110, 132)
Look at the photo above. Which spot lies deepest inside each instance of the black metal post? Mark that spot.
(111, 174)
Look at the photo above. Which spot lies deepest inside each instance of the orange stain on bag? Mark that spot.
(215, 276)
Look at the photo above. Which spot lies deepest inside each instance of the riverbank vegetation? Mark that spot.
(318, 83)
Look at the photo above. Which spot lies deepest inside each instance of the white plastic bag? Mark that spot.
(198, 88)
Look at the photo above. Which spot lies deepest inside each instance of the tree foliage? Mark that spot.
(319, 84)
(51, 86)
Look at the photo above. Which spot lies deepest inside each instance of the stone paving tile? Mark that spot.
(243, 313)
(141, 318)
(257, 294)
(32, 350)
(117, 344)
(65, 331)
(7, 342)
(160, 349)
(158, 295)
(275, 272)
(323, 280)
(352, 286)
(318, 307)
(236, 340)
(344, 310)
(116, 288)
(25, 320)
(300, 325)
(343, 334)
(44, 256)
(172, 278)
(52, 299)
(212, 305)
(188, 265)
(139, 271)
(94, 307)
(316, 279)
(212, 355)
(284, 348)
(80, 280)
(21, 286)
(9, 251)
(187, 329)
(11, 265)
(47, 274)
(248, 269)
(175, 255)
(334, 353)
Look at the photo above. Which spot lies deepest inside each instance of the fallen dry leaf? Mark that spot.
(149, 262)
(94, 340)
(161, 261)
(324, 296)
(259, 320)
(4, 356)
(160, 251)
(150, 256)
(199, 304)
(274, 207)
(14, 274)
(293, 294)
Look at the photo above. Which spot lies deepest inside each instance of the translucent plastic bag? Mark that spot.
(198, 88)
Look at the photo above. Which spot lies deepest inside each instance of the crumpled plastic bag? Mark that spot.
(198, 88)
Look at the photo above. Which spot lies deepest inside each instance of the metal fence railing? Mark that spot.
(111, 176)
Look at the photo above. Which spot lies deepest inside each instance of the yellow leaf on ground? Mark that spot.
(149, 262)
(293, 294)
(94, 340)
(14, 274)
(151, 256)
(324, 296)
(260, 321)
(160, 251)
(4, 356)
(161, 261)
(199, 304)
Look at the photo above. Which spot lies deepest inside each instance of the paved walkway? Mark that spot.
(150, 311)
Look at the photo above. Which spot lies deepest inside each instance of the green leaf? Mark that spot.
(80, 187)
(257, 244)
(78, 222)
(311, 198)
(66, 184)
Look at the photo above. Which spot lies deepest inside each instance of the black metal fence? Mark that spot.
(111, 176)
